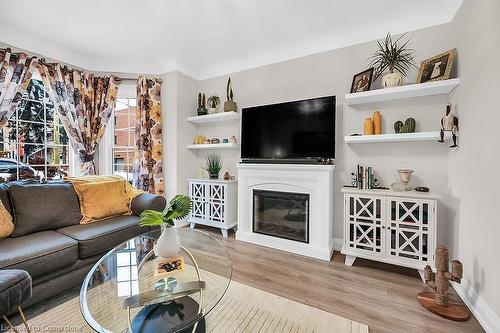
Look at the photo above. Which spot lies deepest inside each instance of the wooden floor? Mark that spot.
(379, 295)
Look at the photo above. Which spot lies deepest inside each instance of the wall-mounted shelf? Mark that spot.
(215, 146)
(413, 90)
(401, 137)
(216, 117)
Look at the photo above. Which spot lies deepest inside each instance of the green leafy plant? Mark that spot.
(213, 164)
(392, 55)
(213, 101)
(178, 209)
(229, 90)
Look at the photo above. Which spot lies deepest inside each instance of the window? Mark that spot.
(124, 137)
(126, 270)
(34, 144)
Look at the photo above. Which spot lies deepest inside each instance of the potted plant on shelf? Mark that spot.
(168, 245)
(229, 105)
(213, 165)
(395, 56)
(202, 110)
(213, 101)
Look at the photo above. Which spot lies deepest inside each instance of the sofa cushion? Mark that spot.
(39, 207)
(100, 237)
(146, 201)
(15, 288)
(38, 253)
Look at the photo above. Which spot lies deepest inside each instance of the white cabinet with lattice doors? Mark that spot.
(393, 227)
(214, 203)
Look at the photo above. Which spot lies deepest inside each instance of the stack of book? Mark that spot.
(365, 178)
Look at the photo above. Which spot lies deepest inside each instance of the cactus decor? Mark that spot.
(229, 105)
(408, 126)
(202, 110)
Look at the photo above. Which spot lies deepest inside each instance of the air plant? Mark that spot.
(213, 165)
(229, 90)
(213, 101)
(179, 208)
(393, 55)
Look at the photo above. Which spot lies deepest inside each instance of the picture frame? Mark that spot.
(437, 68)
(362, 81)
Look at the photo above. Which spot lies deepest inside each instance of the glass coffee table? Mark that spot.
(122, 294)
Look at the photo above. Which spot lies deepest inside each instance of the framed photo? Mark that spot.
(362, 81)
(437, 68)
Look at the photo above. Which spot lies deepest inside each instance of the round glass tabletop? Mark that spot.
(122, 292)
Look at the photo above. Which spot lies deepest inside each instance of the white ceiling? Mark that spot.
(204, 38)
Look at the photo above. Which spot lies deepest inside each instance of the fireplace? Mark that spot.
(281, 214)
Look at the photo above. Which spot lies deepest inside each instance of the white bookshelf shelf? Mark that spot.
(409, 91)
(214, 146)
(401, 137)
(216, 117)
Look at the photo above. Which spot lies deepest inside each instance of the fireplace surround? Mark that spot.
(287, 207)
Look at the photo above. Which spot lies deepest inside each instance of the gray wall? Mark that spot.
(474, 183)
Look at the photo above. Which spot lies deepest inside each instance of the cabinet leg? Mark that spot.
(349, 260)
(224, 232)
(192, 225)
(421, 273)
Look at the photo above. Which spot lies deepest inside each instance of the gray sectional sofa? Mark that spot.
(48, 241)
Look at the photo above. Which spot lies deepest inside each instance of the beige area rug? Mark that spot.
(243, 309)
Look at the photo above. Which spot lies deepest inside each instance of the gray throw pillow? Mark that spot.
(39, 207)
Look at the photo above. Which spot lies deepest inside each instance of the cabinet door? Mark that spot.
(197, 193)
(364, 232)
(216, 203)
(410, 231)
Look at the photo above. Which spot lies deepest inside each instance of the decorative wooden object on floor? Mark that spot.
(437, 302)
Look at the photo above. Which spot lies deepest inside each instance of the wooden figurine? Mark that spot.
(438, 302)
(449, 123)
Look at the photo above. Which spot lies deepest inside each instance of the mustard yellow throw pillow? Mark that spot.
(6, 225)
(132, 192)
(100, 200)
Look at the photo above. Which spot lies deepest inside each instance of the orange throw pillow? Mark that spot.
(6, 225)
(100, 200)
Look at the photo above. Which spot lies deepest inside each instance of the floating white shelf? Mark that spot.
(216, 117)
(215, 146)
(413, 90)
(401, 137)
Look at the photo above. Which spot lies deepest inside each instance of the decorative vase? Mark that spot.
(169, 244)
(202, 111)
(230, 106)
(405, 177)
(392, 80)
(213, 175)
(377, 122)
(212, 110)
(368, 126)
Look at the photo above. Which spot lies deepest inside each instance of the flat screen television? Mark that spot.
(292, 131)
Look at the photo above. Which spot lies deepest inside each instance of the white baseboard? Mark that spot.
(481, 310)
(338, 243)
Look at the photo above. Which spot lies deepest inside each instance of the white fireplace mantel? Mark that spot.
(315, 180)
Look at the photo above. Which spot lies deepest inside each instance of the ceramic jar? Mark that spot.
(368, 126)
(377, 122)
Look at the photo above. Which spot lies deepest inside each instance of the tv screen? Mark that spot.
(293, 130)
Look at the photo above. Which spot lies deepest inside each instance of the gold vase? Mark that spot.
(368, 126)
(377, 122)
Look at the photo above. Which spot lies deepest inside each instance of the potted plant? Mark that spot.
(229, 105)
(395, 56)
(213, 101)
(168, 245)
(202, 110)
(213, 165)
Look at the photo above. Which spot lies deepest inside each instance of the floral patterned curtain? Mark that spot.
(16, 70)
(148, 173)
(85, 103)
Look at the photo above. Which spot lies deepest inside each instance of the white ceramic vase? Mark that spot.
(392, 80)
(169, 244)
(212, 110)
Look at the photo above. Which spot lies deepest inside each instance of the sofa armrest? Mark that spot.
(146, 201)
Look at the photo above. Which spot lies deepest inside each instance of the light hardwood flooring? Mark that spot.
(380, 295)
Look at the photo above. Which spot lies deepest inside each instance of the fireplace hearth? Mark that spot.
(281, 214)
